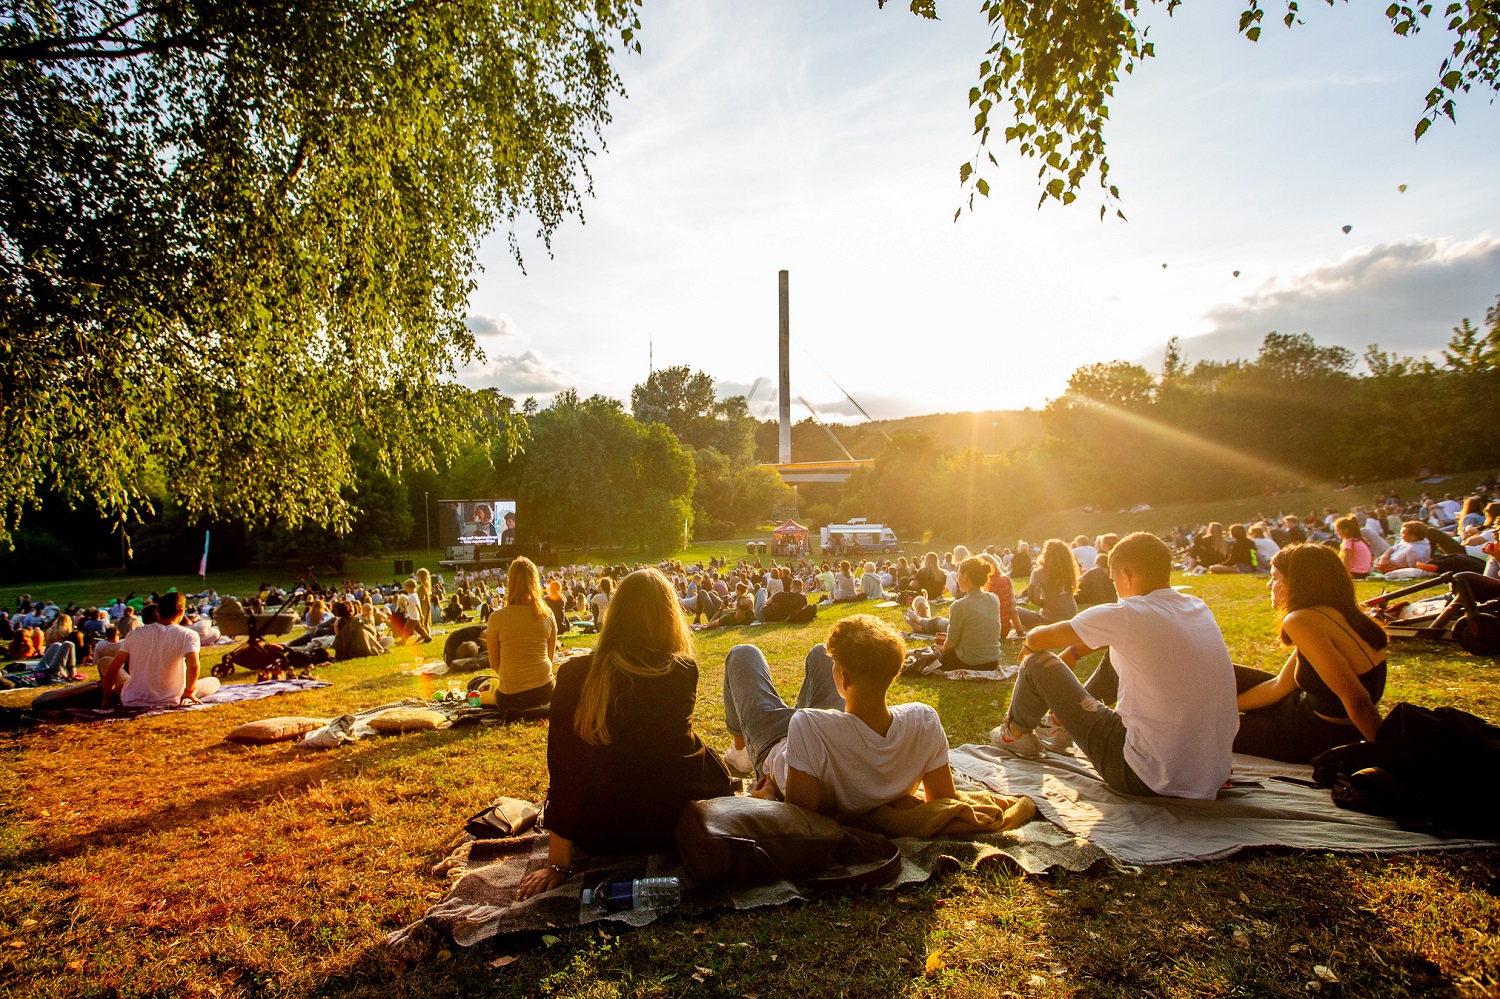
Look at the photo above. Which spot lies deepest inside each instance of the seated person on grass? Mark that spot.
(972, 638)
(739, 609)
(1174, 729)
(841, 750)
(784, 604)
(156, 665)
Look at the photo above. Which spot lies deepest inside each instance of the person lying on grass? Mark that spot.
(841, 750)
(1175, 725)
(622, 757)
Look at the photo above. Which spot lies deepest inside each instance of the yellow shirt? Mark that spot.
(523, 635)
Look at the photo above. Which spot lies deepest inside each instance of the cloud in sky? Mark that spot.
(527, 373)
(482, 325)
(1405, 296)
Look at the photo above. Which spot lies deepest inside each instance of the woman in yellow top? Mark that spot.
(522, 639)
(424, 596)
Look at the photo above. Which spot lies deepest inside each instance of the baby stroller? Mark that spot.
(1455, 616)
(268, 660)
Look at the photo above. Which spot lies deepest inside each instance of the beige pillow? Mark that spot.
(258, 733)
(399, 720)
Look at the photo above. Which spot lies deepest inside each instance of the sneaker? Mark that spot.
(739, 760)
(1027, 746)
(1051, 734)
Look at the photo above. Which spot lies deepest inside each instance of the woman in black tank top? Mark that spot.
(1327, 692)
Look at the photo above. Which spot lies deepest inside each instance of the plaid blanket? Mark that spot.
(486, 873)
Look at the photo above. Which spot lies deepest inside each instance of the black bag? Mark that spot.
(1433, 770)
(1458, 563)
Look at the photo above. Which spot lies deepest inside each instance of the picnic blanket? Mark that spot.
(230, 693)
(1260, 809)
(486, 873)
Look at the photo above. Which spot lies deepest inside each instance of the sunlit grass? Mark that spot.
(155, 859)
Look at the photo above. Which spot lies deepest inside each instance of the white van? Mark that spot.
(858, 537)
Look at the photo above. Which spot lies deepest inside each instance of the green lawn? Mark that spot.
(151, 858)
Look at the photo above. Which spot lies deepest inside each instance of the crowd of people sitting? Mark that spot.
(1390, 538)
(1160, 715)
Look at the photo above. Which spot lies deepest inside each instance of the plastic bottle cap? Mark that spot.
(588, 896)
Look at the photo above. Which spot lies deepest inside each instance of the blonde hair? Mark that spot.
(523, 585)
(644, 635)
(1059, 569)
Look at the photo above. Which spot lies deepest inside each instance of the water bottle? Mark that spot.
(642, 893)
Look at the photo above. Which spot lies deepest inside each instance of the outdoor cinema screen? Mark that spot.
(476, 522)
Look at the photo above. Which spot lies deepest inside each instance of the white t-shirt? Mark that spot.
(1087, 557)
(1451, 508)
(856, 767)
(1266, 549)
(157, 666)
(1406, 554)
(1177, 695)
(774, 585)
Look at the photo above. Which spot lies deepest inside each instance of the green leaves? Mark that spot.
(265, 226)
(1051, 66)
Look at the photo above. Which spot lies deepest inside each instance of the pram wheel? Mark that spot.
(1479, 635)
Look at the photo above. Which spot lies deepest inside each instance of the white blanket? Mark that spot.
(1263, 812)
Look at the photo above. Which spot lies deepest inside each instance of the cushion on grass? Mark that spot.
(399, 720)
(265, 730)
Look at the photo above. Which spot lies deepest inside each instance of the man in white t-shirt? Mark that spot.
(1085, 554)
(156, 665)
(1173, 732)
(841, 750)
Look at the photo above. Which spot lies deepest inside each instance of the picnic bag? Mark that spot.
(744, 839)
(506, 817)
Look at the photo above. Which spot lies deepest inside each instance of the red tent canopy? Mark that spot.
(788, 534)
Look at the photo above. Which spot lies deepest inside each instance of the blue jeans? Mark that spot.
(753, 709)
(1045, 683)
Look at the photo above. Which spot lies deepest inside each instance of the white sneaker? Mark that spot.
(1051, 734)
(1027, 746)
(739, 761)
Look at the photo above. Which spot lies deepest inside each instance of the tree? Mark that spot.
(1052, 67)
(683, 400)
(237, 234)
(1471, 351)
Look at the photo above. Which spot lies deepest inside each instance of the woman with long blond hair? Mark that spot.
(522, 640)
(1054, 587)
(622, 757)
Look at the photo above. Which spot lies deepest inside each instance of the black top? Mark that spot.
(1020, 565)
(1095, 587)
(1322, 698)
(625, 797)
(782, 605)
(1241, 552)
(559, 614)
(934, 581)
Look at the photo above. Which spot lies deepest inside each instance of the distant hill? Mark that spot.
(991, 431)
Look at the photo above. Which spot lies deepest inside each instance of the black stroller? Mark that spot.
(1458, 615)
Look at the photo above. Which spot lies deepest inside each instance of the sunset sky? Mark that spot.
(825, 138)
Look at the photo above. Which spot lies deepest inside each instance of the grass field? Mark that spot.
(151, 858)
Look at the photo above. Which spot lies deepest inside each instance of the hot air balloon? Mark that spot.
(1348, 229)
(1236, 273)
(1402, 188)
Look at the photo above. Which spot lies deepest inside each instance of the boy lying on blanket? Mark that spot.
(841, 750)
(1173, 732)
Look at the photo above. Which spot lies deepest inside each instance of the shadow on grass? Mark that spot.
(1267, 922)
(869, 943)
(191, 812)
